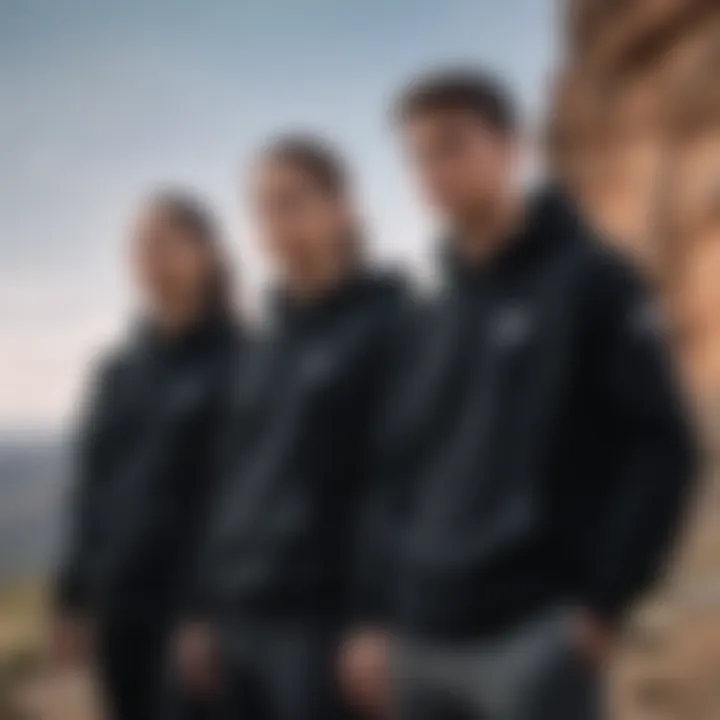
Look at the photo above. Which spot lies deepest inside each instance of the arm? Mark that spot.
(73, 591)
(384, 496)
(362, 664)
(226, 439)
(219, 450)
(655, 457)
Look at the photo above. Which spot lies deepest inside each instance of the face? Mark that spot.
(171, 268)
(464, 167)
(303, 226)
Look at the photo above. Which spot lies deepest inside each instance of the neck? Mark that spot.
(173, 322)
(480, 234)
(319, 279)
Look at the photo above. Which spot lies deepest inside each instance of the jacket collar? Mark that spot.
(203, 333)
(287, 308)
(550, 218)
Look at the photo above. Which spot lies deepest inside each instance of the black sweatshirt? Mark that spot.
(538, 450)
(305, 413)
(147, 465)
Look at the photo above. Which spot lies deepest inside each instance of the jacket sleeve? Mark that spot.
(196, 599)
(655, 455)
(85, 522)
(225, 447)
(384, 495)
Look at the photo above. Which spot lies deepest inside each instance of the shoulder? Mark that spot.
(111, 363)
(618, 298)
(120, 358)
(569, 237)
(607, 284)
(610, 278)
(104, 376)
(406, 306)
(602, 271)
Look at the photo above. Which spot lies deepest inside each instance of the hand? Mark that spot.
(198, 659)
(364, 672)
(594, 638)
(72, 640)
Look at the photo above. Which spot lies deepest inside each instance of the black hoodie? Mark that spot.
(538, 452)
(147, 465)
(305, 411)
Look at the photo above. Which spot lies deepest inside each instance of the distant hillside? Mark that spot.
(33, 473)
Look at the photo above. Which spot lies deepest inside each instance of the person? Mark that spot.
(273, 595)
(534, 468)
(147, 458)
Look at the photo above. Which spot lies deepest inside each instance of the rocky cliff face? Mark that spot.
(635, 132)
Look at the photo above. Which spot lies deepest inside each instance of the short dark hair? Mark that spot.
(468, 90)
(313, 156)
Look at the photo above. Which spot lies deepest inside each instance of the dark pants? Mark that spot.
(132, 662)
(533, 672)
(279, 671)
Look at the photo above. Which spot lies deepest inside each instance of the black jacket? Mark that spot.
(538, 450)
(147, 465)
(306, 408)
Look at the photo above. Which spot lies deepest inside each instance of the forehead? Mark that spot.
(151, 218)
(276, 174)
(445, 122)
(270, 169)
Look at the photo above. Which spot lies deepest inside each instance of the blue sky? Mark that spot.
(101, 99)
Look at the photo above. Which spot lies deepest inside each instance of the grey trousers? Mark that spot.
(533, 672)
